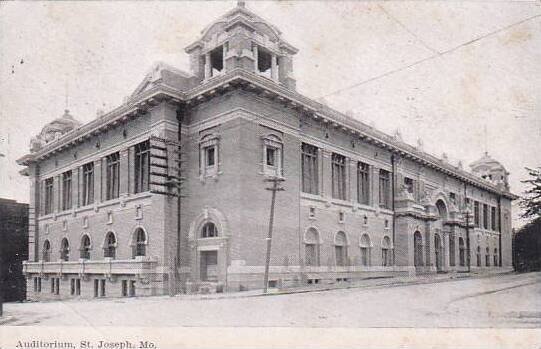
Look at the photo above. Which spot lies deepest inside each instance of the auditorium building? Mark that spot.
(167, 193)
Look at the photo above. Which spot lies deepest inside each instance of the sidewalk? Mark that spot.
(362, 283)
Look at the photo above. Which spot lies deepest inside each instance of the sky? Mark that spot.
(463, 76)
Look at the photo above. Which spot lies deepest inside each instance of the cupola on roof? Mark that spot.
(491, 170)
(54, 130)
(240, 39)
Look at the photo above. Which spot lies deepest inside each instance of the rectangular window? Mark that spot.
(309, 169)
(452, 197)
(96, 287)
(476, 214)
(113, 176)
(52, 285)
(363, 183)
(88, 183)
(57, 287)
(48, 208)
(485, 216)
(210, 156)
(384, 188)
(78, 287)
(142, 166)
(338, 176)
(72, 287)
(408, 183)
(271, 156)
(66, 190)
(493, 218)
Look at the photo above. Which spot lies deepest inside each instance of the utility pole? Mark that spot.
(275, 181)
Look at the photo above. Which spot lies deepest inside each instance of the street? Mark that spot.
(511, 300)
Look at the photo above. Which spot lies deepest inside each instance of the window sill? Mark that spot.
(365, 207)
(97, 206)
(314, 197)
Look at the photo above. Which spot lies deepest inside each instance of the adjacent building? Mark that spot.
(167, 192)
(13, 249)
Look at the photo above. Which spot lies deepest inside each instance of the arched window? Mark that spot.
(418, 249)
(109, 248)
(85, 247)
(461, 252)
(452, 261)
(496, 257)
(478, 256)
(340, 248)
(311, 247)
(365, 250)
(442, 209)
(487, 257)
(438, 250)
(386, 252)
(46, 251)
(65, 250)
(140, 243)
(209, 231)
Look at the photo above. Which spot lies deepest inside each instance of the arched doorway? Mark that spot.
(440, 233)
(418, 250)
(208, 260)
(438, 249)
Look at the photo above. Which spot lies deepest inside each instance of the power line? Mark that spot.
(439, 54)
(388, 14)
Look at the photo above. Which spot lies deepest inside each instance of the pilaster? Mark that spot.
(97, 180)
(57, 191)
(375, 186)
(208, 67)
(326, 177)
(33, 207)
(352, 180)
(274, 68)
(124, 171)
(131, 170)
(75, 186)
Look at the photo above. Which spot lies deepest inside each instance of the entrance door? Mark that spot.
(209, 266)
(439, 252)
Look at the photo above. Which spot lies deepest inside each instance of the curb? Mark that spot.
(396, 283)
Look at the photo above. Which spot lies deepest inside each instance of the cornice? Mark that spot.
(240, 78)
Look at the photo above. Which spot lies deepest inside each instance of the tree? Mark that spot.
(531, 202)
(527, 247)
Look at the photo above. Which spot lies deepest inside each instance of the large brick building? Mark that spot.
(110, 221)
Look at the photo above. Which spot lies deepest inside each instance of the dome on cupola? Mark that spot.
(54, 130)
(491, 170)
(240, 39)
